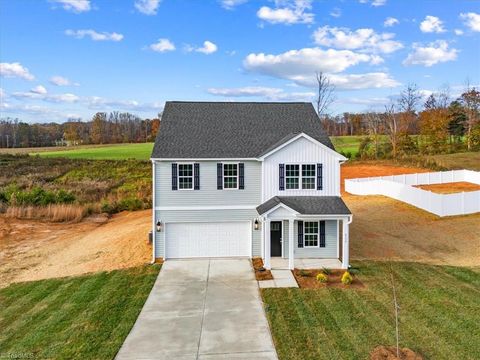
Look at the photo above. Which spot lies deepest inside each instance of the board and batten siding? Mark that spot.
(189, 216)
(331, 242)
(208, 195)
(302, 151)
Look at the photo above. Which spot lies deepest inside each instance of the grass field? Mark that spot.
(86, 317)
(140, 151)
(468, 160)
(347, 144)
(439, 314)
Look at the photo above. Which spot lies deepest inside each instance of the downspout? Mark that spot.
(154, 230)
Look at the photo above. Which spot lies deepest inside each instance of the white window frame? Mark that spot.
(317, 233)
(223, 175)
(178, 176)
(300, 176)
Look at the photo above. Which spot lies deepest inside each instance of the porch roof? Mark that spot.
(308, 205)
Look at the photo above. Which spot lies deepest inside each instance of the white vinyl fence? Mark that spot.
(400, 187)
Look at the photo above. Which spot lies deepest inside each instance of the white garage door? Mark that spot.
(207, 239)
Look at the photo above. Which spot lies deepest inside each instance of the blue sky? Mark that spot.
(72, 58)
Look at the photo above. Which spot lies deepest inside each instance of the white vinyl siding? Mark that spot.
(301, 151)
(206, 216)
(208, 195)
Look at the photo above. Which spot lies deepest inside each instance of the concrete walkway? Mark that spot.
(201, 309)
(281, 279)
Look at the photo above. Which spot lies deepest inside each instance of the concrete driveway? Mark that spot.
(201, 309)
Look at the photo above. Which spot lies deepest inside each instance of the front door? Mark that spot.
(276, 238)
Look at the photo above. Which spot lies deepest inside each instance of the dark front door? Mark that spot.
(276, 238)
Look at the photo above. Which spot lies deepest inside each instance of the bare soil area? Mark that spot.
(33, 250)
(450, 188)
(390, 353)
(384, 228)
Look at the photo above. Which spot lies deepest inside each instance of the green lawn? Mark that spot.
(86, 317)
(141, 151)
(439, 314)
(347, 143)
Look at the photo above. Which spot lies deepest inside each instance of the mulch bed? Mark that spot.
(307, 279)
(390, 353)
(260, 272)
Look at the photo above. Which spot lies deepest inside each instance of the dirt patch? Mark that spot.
(363, 170)
(33, 250)
(308, 279)
(390, 353)
(260, 272)
(450, 188)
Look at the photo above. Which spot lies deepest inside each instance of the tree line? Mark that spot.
(104, 128)
(406, 126)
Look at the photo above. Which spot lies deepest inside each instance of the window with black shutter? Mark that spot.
(241, 176)
(300, 234)
(219, 176)
(319, 176)
(322, 234)
(196, 176)
(174, 177)
(281, 177)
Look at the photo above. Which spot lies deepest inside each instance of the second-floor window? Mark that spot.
(185, 176)
(230, 176)
(300, 176)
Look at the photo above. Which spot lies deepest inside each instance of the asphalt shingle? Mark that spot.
(308, 205)
(197, 130)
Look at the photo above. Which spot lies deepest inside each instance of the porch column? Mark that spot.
(268, 253)
(291, 255)
(345, 247)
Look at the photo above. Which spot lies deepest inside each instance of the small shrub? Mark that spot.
(347, 278)
(326, 271)
(303, 273)
(321, 277)
(354, 271)
(130, 204)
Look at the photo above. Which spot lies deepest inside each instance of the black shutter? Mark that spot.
(219, 176)
(241, 176)
(281, 177)
(319, 176)
(322, 233)
(196, 176)
(174, 177)
(300, 234)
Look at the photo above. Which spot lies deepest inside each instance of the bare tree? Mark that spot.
(391, 118)
(471, 102)
(374, 123)
(325, 95)
(408, 102)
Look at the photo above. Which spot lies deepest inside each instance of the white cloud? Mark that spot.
(94, 35)
(300, 66)
(432, 24)
(287, 12)
(379, 2)
(39, 89)
(231, 4)
(99, 103)
(336, 12)
(390, 21)
(12, 70)
(61, 81)
(458, 32)
(207, 48)
(471, 20)
(162, 45)
(304, 61)
(364, 39)
(76, 6)
(147, 7)
(63, 98)
(431, 54)
(269, 93)
(370, 101)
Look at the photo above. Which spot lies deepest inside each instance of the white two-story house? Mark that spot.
(238, 179)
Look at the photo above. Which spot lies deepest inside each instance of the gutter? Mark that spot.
(154, 233)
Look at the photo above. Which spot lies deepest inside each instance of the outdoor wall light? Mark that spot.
(256, 224)
(159, 226)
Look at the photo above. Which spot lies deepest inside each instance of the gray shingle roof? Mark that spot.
(308, 205)
(232, 129)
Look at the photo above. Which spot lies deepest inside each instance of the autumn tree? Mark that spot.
(470, 100)
(434, 128)
(98, 127)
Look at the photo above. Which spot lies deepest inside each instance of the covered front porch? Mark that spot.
(305, 232)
